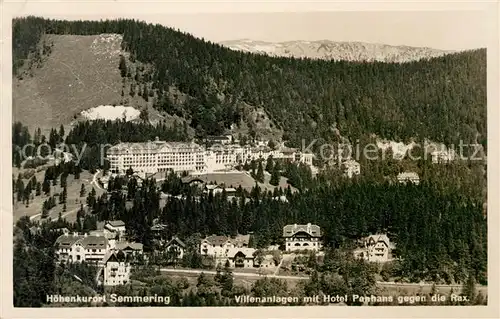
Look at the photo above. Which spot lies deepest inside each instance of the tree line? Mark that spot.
(440, 235)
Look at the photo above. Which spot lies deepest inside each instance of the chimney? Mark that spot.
(85, 235)
(156, 138)
(75, 234)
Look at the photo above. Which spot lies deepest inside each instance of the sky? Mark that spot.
(448, 30)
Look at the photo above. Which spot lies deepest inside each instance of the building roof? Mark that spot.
(291, 230)
(379, 238)
(114, 256)
(122, 245)
(98, 242)
(116, 223)
(152, 147)
(176, 241)
(87, 241)
(107, 234)
(216, 240)
(248, 252)
(67, 240)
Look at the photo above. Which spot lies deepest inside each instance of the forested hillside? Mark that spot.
(443, 99)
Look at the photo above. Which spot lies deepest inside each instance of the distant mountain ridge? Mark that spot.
(332, 50)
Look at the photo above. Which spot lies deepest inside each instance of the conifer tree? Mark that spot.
(260, 173)
(82, 190)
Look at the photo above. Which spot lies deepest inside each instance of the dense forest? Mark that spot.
(443, 99)
(36, 276)
(440, 234)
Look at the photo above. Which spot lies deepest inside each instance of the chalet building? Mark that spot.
(116, 227)
(219, 246)
(116, 269)
(175, 244)
(300, 237)
(375, 248)
(81, 247)
(404, 178)
(240, 258)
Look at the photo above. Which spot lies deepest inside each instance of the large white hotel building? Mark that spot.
(160, 156)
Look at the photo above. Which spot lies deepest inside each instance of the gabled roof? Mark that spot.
(380, 238)
(116, 223)
(114, 256)
(177, 241)
(95, 242)
(67, 240)
(122, 245)
(87, 241)
(215, 240)
(291, 230)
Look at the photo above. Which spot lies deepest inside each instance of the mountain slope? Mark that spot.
(78, 74)
(331, 50)
(442, 99)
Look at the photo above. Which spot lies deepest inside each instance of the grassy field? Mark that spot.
(80, 73)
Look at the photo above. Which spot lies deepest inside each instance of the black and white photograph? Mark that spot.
(249, 159)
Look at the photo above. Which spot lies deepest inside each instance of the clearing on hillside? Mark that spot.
(80, 73)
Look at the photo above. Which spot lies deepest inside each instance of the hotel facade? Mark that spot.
(160, 156)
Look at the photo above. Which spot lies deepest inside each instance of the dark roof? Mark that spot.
(247, 252)
(123, 245)
(89, 241)
(98, 242)
(176, 240)
(66, 241)
(291, 230)
(114, 256)
(217, 240)
(116, 223)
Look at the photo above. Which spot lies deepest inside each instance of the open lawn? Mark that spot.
(80, 73)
